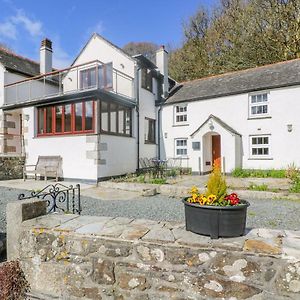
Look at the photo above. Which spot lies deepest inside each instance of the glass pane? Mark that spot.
(89, 115)
(49, 119)
(265, 97)
(78, 116)
(259, 151)
(58, 119)
(254, 141)
(100, 77)
(88, 78)
(92, 77)
(254, 151)
(259, 140)
(41, 120)
(253, 110)
(253, 99)
(104, 116)
(128, 121)
(68, 117)
(266, 151)
(258, 98)
(265, 109)
(266, 140)
(121, 120)
(113, 117)
(109, 75)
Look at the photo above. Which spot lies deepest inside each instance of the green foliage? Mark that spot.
(260, 187)
(216, 185)
(158, 181)
(235, 35)
(243, 173)
(295, 188)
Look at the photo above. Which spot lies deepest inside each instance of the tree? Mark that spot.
(235, 35)
(145, 48)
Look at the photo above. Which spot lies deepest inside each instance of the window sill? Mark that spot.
(149, 143)
(260, 158)
(259, 117)
(63, 135)
(178, 125)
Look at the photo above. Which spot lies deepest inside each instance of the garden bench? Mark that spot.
(45, 166)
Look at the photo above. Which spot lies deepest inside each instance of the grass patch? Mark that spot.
(258, 187)
(244, 173)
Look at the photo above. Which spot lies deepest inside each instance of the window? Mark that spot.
(259, 105)
(180, 112)
(115, 119)
(88, 77)
(146, 79)
(260, 146)
(149, 131)
(181, 147)
(71, 118)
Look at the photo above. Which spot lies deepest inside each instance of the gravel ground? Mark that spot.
(275, 214)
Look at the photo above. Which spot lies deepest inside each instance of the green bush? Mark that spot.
(158, 181)
(243, 173)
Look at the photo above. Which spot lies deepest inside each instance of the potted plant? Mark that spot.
(215, 213)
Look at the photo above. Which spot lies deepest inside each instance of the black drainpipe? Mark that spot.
(158, 128)
(138, 116)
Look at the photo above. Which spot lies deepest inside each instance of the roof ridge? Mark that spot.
(239, 71)
(18, 55)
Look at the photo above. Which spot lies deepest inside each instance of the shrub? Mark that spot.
(13, 284)
(292, 171)
(158, 180)
(273, 173)
(216, 184)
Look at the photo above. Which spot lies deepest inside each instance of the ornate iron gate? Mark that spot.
(60, 198)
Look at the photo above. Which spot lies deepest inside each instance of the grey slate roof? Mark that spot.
(16, 63)
(281, 74)
(218, 120)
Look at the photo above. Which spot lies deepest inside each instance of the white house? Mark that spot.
(247, 119)
(100, 114)
(13, 68)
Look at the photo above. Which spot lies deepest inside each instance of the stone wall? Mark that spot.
(82, 257)
(11, 167)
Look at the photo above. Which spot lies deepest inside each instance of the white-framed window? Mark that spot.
(181, 147)
(259, 105)
(180, 114)
(260, 146)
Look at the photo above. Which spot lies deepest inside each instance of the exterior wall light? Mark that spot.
(26, 117)
(289, 127)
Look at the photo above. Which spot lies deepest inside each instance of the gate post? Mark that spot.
(16, 213)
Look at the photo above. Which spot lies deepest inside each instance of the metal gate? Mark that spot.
(60, 198)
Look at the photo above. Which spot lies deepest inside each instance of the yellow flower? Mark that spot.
(211, 198)
(194, 190)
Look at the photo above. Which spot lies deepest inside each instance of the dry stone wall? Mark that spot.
(82, 257)
(11, 167)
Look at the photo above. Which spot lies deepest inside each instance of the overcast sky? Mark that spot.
(70, 23)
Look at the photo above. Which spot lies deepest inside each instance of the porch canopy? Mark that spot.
(220, 143)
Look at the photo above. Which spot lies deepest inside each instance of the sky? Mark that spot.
(70, 23)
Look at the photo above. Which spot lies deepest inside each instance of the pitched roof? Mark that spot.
(276, 75)
(17, 63)
(218, 120)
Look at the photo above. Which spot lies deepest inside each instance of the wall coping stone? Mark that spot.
(283, 244)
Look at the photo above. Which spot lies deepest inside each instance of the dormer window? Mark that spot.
(259, 105)
(146, 79)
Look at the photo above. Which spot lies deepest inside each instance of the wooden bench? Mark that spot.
(45, 166)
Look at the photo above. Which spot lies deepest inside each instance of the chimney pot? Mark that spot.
(46, 43)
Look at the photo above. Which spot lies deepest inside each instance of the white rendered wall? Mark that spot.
(284, 109)
(72, 148)
(120, 156)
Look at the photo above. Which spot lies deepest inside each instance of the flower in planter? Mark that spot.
(216, 193)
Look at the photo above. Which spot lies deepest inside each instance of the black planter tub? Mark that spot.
(216, 221)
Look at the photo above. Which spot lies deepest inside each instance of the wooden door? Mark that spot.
(216, 150)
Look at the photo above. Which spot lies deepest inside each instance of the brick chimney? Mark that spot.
(46, 56)
(162, 64)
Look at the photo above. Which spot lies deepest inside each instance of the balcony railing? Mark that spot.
(88, 76)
